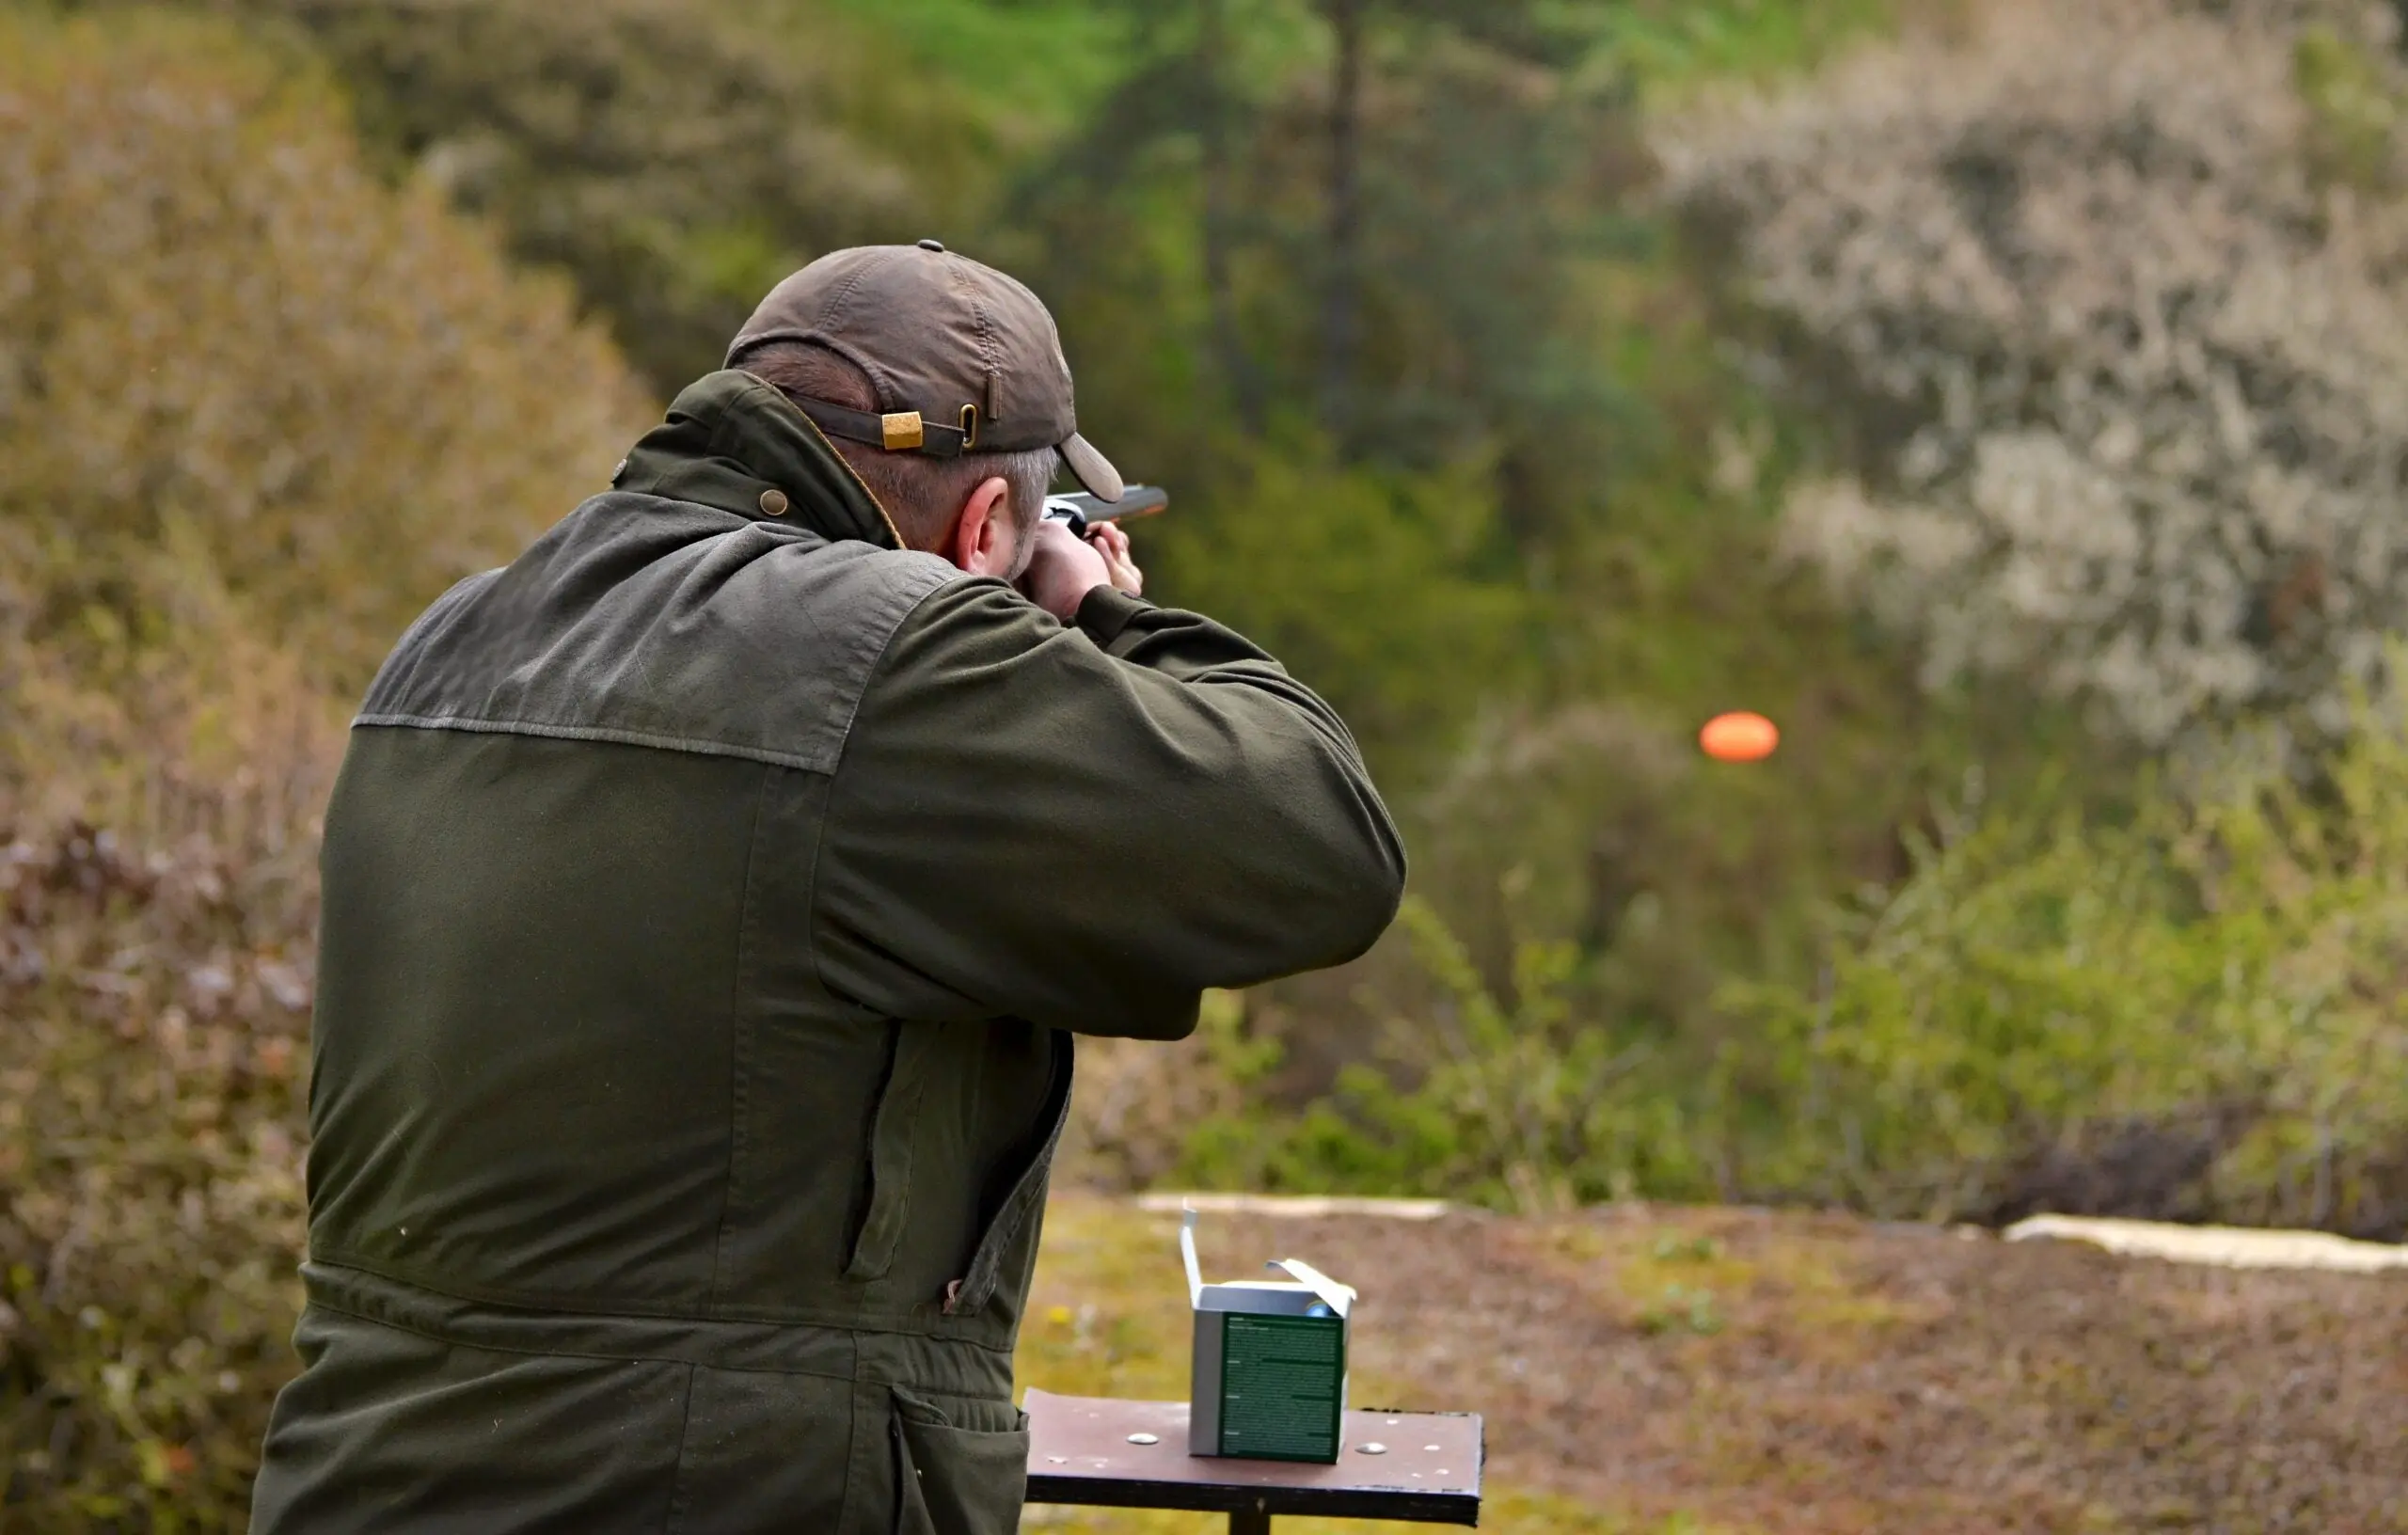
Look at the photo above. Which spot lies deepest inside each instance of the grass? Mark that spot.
(1109, 1318)
(1678, 1370)
(1684, 1280)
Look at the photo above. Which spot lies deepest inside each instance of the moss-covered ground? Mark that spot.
(1679, 1371)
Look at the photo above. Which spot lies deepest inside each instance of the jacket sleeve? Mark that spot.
(1087, 826)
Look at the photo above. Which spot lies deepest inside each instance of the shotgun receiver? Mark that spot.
(1082, 510)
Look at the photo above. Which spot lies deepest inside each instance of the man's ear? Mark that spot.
(984, 542)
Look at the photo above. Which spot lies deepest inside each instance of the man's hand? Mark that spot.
(1063, 569)
(1110, 542)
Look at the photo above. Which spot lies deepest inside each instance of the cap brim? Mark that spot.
(1092, 468)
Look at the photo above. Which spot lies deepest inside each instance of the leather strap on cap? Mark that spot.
(903, 432)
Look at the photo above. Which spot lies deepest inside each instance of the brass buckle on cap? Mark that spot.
(968, 427)
(902, 430)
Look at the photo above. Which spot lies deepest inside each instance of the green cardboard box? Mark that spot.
(1270, 1362)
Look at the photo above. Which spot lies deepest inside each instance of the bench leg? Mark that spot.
(1250, 1522)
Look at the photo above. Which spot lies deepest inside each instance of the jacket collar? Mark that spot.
(734, 443)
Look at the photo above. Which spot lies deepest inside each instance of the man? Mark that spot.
(711, 897)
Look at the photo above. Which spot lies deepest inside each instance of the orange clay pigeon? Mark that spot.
(1739, 737)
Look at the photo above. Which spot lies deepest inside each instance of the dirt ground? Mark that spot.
(1678, 1371)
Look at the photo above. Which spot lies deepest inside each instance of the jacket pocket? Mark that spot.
(965, 1478)
(890, 1143)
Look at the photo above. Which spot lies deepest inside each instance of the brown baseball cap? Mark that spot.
(962, 357)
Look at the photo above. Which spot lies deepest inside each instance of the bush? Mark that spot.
(1514, 1098)
(2196, 1016)
(2190, 1012)
(235, 368)
(2121, 363)
(155, 982)
(1358, 579)
(151, 1181)
(676, 159)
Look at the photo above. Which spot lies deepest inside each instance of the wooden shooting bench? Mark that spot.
(1089, 1451)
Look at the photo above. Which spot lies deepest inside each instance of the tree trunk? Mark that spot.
(1342, 299)
(1229, 342)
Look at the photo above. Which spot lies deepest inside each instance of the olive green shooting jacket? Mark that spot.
(710, 899)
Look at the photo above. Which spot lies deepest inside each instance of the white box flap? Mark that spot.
(1336, 1296)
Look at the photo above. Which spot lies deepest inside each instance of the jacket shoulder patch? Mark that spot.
(664, 625)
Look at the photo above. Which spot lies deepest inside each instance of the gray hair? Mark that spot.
(922, 495)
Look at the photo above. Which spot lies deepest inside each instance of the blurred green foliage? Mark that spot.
(2353, 94)
(2188, 1012)
(2194, 1015)
(1514, 1098)
(1033, 68)
(674, 159)
(1672, 47)
(1420, 633)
